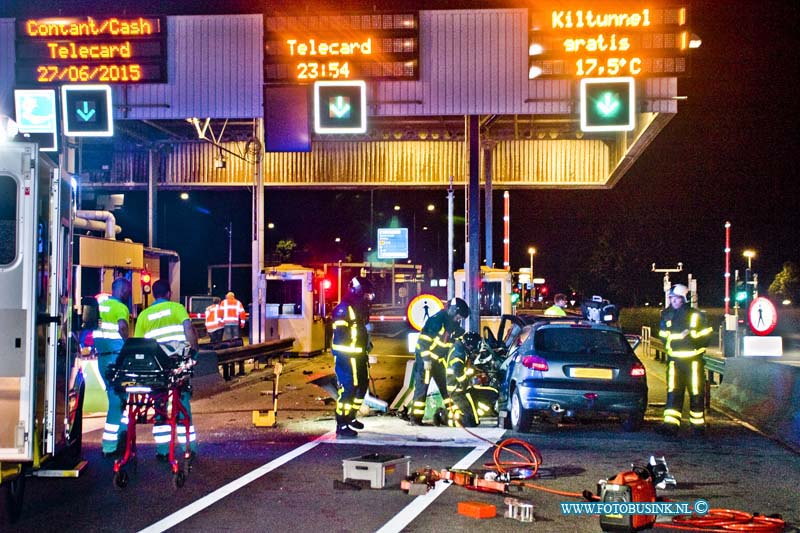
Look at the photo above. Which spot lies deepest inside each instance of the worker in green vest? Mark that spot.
(168, 322)
(110, 335)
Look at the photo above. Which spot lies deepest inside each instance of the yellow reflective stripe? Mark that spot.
(672, 412)
(338, 323)
(693, 320)
(346, 348)
(355, 372)
(351, 313)
(695, 378)
(685, 354)
(425, 337)
(678, 336)
(427, 376)
(672, 420)
(663, 333)
(701, 333)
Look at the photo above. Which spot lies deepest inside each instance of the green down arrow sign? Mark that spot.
(85, 114)
(339, 107)
(608, 105)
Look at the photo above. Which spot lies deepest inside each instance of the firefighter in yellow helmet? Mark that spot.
(686, 334)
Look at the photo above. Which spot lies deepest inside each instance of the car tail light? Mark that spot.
(535, 363)
(637, 370)
(591, 396)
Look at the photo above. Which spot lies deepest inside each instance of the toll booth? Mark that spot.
(288, 308)
(494, 298)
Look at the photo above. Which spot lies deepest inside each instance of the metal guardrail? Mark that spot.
(653, 346)
(228, 357)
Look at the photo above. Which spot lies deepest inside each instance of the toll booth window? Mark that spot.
(8, 220)
(491, 298)
(284, 297)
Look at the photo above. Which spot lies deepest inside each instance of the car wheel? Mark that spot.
(520, 417)
(633, 422)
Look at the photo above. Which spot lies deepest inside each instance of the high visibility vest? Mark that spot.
(232, 312)
(213, 318)
(349, 331)
(685, 332)
(162, 321)
(107, 338)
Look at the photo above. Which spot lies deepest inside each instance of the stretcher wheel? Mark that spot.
(121, 479)
(179, 479)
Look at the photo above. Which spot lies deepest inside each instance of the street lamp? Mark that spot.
(532, 252)
(749, 254)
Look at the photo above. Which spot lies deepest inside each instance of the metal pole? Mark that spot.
(257, 251)
(230, 252)
(450, 278)
(487, 203)
(727, 268)
(506, 231)
(473, 217)
(152, 196)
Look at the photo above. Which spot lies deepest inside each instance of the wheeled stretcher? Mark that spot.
(152, 377)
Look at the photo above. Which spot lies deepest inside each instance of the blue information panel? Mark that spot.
(392, 243)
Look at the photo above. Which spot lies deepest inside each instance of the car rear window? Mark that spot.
(579, 340)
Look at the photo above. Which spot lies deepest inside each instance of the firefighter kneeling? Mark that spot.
(470, 401)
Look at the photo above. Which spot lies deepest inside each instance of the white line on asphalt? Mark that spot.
(210, 499)
(420, 503)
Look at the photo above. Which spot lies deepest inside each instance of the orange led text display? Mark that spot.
(91, 49)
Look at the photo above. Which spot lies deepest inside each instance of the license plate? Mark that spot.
(592, 373)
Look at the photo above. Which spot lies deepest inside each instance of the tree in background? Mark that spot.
(285, 248)
(786, 285)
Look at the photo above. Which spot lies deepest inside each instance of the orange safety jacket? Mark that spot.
(231, 312)
(213, 318)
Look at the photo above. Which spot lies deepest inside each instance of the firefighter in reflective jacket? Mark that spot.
(686, 335)
(168, 322)
(434, 344)
(110, 335)
(350, 345)
(470, 400)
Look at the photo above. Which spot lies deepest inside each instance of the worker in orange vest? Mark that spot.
(214, 325)
(232, 312)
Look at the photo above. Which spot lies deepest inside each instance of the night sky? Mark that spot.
(731, 154)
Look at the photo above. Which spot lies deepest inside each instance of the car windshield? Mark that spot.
(580, 340)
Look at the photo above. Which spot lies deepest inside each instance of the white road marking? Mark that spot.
(210, 499)
(420, 503)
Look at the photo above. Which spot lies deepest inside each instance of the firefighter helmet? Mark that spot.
(679, 290)
(361, 287)
(457, 306)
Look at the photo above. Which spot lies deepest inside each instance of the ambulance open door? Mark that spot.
(19, 240)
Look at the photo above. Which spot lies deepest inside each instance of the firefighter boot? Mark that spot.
(355, 424)
(343, 430)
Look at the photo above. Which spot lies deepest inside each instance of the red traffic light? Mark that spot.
(146, 279)
(325, 284)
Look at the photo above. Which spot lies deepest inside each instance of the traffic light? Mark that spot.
(146, 281)
(608, 104)
(740, 294)
(325, 284)
(515, 296)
